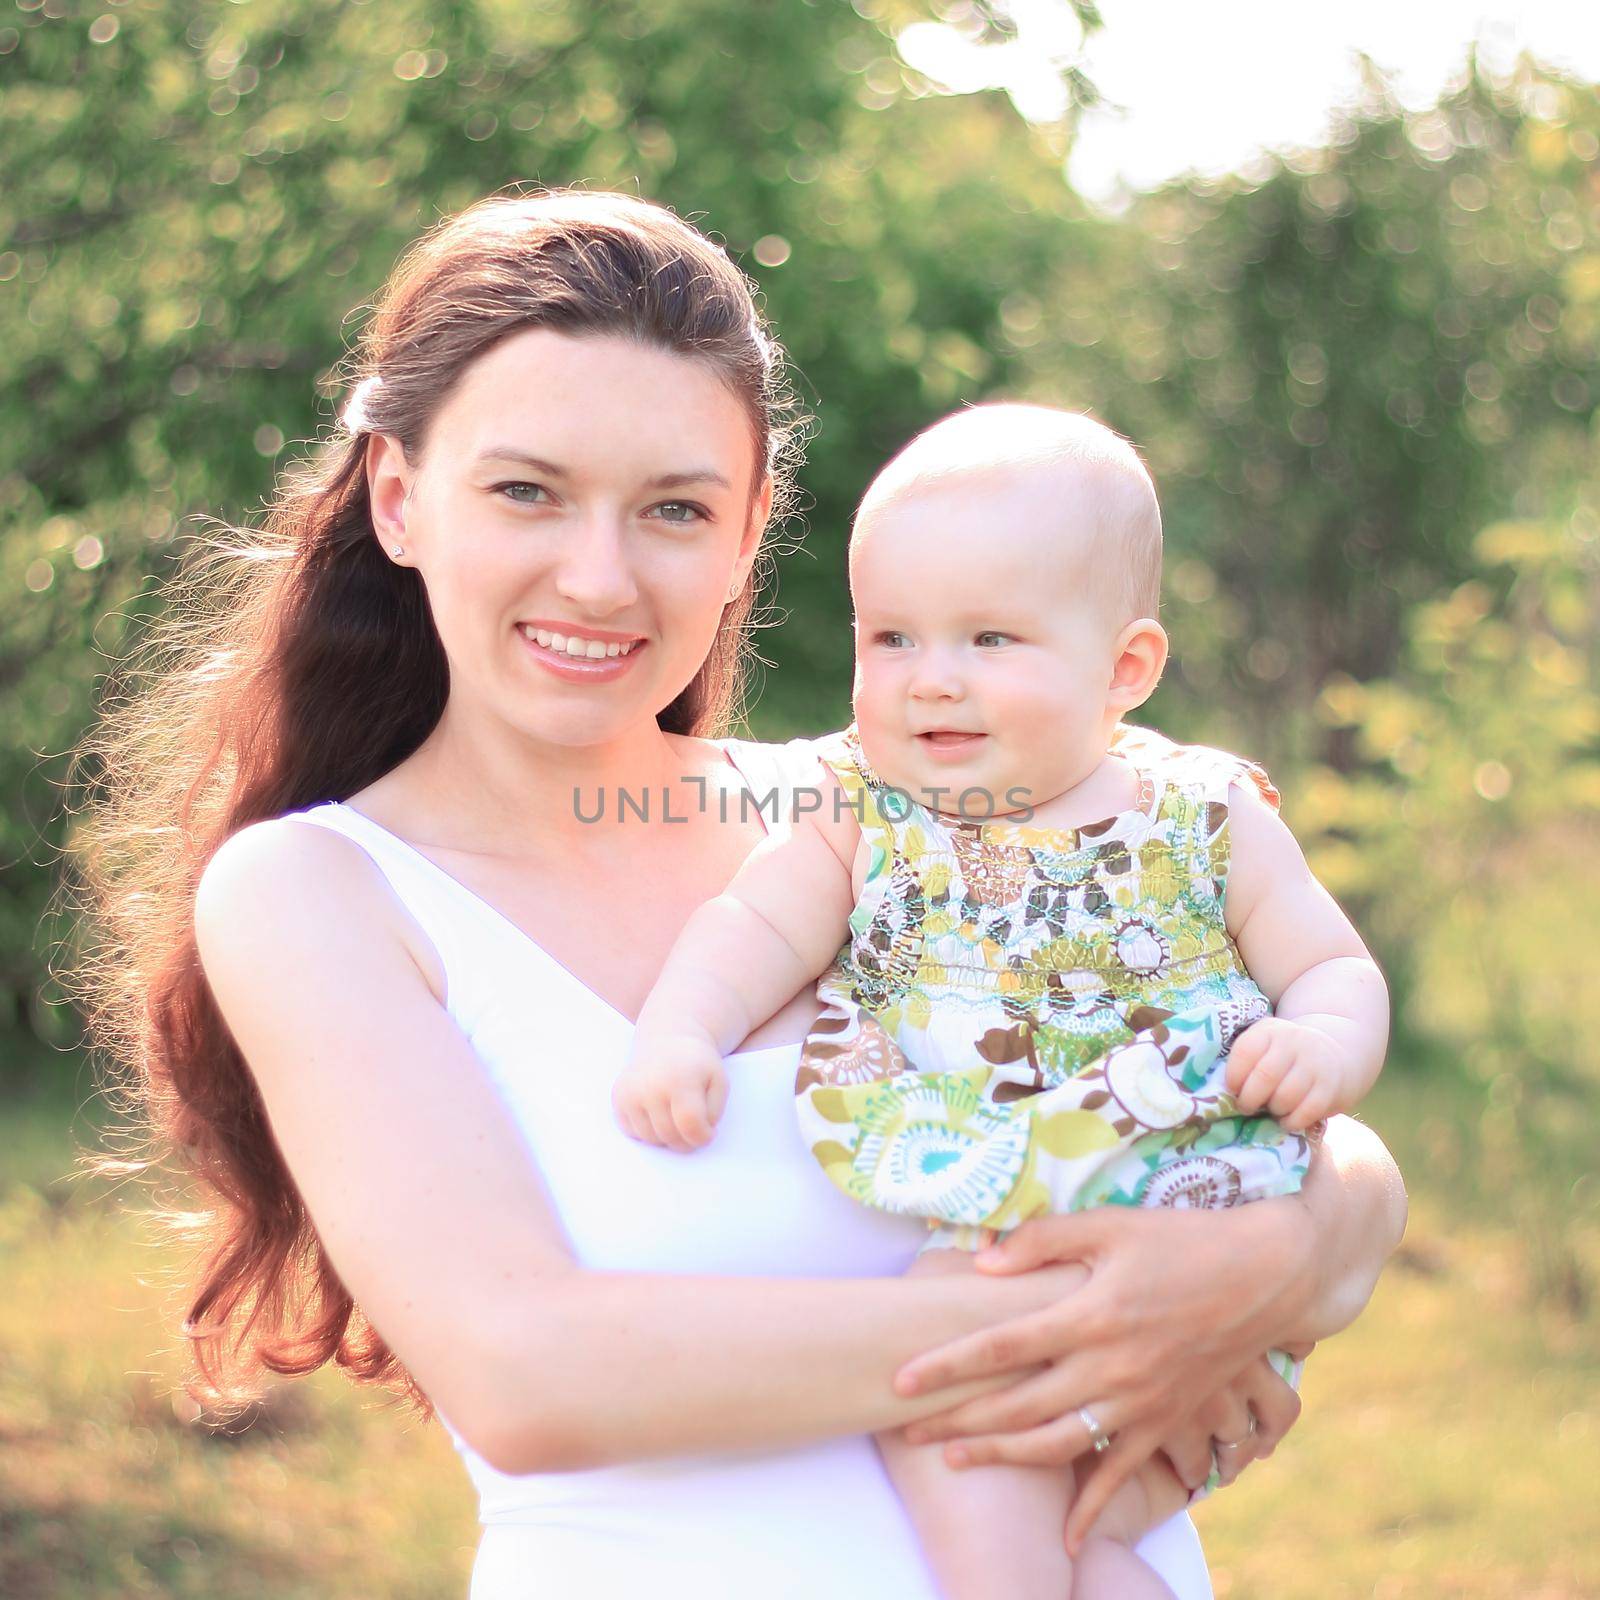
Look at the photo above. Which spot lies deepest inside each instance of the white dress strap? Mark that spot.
(448, 914)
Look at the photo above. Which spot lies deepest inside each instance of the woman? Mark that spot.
(522, 580)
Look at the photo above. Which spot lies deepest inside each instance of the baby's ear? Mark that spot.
(1139, 657)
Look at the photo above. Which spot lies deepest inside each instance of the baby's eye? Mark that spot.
(990, 637)
(890, 640)
(681, 513)
(529, 498)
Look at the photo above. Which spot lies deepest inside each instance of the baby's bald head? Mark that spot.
(1093, 489)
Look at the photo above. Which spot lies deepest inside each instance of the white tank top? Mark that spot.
(818, 1519)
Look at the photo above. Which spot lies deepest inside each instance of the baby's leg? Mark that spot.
(997, 1530)
(990, 1530)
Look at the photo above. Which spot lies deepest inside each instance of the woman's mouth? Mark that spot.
(581, 657)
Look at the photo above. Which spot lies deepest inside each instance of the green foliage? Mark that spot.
(196, 202)
(1466, 834)
(1342, 365)
(1470, 825)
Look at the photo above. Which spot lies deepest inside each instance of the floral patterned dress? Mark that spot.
(1028, 1020)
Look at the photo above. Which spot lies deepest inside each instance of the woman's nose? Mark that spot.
(595, 572)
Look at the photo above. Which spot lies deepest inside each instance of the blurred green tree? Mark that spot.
(1471, 805)
(1341, 365)
(198, 193)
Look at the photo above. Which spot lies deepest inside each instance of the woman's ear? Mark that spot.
(755, 526)
(1139, 657)
(389, 482)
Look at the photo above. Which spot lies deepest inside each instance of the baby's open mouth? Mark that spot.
(949, 737)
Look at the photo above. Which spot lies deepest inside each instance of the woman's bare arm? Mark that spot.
(1357, 1204)
(434, 1215)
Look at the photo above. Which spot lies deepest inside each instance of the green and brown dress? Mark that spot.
(1037, 1020)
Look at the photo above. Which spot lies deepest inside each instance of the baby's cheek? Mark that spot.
(877, 726)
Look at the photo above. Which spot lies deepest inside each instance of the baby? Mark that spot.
(1081, 964)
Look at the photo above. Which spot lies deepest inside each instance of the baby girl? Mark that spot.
(1081, 964)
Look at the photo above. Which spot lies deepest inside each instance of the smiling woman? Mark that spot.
(372, 973)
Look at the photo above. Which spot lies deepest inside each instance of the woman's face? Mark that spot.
(581, 514)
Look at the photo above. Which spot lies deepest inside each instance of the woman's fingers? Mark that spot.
(1043, 1335)
(1246, 1419)
(1024, 1404)
(1232, 1430)
(1275, 1404)
(1024, 1342)
(1052, 1445)
(1129, 1451)
(1189, 1451)
(1243, 1422)
(1224, 1416)
(1046, 1239)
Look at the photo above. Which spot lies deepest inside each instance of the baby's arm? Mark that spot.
(772, 931)
(1322, 1049)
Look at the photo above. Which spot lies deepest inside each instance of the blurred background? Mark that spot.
(1363, 369)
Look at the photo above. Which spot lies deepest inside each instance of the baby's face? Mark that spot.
(984, 656)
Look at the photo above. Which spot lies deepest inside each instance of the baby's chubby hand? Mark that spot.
(1296, 1072)
(672, 1093)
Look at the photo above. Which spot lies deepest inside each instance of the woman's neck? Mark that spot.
(485, 786)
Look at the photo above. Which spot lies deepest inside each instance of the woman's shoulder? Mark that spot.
(270, 874)
(286, 884)
(267, 856)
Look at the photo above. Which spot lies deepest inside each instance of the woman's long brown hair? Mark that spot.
(296, 664)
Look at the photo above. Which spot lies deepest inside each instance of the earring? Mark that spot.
(399, 550)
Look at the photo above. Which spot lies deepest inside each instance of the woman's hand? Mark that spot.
(1243, 1421)
(1178, 1304)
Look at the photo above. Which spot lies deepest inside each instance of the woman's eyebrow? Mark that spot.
(667, 480)
(678, 480)
(506, 452)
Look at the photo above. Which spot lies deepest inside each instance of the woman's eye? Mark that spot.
(530, 494)
(990, 637)
(681, 513)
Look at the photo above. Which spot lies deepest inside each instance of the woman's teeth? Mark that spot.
(576, 645)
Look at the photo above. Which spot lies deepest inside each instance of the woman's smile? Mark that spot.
(599, 656)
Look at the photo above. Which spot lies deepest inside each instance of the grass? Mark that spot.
(1450, 1447)
(1451, 1438)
